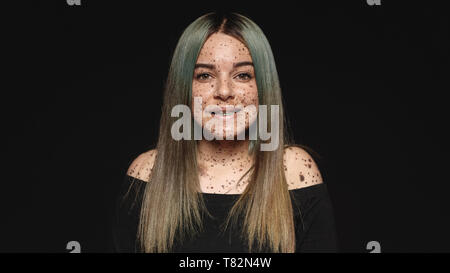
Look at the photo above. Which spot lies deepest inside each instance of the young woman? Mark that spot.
(222, 195)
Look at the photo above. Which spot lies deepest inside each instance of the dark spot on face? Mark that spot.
(302, 178)
(309, 166)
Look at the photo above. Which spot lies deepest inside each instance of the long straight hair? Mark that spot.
(173, 206)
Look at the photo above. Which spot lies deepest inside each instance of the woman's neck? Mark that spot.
(229, 152)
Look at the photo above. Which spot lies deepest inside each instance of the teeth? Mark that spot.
(224, 114)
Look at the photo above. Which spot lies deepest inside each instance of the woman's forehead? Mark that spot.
(220, 47)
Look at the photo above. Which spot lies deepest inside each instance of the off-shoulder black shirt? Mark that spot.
(312, 204)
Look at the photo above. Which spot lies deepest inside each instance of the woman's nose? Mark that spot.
(224, 91)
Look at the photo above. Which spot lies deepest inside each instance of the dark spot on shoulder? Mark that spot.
(302, 178)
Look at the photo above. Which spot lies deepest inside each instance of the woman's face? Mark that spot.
(224, 75)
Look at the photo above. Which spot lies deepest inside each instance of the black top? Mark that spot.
(317, 232)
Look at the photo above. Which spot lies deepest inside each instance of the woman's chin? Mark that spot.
(229, 133)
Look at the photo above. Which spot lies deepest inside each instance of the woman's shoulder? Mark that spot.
(300, 168)
(141, 167)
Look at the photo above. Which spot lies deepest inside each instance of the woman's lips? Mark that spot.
(222, 112)
(225, 114)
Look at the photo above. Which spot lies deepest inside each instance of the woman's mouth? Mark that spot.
(225, 114)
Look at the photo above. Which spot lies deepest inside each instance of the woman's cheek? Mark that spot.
(201, 92)
(250, 97)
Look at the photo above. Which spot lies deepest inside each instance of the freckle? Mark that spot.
(309, 165)
(302, 178)
(240, 170)
(309, 159)
(212, 85)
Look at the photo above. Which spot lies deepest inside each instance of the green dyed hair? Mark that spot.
(173, 204)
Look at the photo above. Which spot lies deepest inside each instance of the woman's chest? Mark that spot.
(223, 180)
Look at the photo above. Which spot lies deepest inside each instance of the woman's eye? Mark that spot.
(203, 76)
(244, 76)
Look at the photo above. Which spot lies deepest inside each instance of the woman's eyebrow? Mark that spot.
(212, 66)
(242, 64)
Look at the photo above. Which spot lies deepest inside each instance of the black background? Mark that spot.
(363, 87)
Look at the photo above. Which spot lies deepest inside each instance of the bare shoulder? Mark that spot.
(300, 168)
(142, 165)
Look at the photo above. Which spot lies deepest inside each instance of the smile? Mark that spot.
(224, 114)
